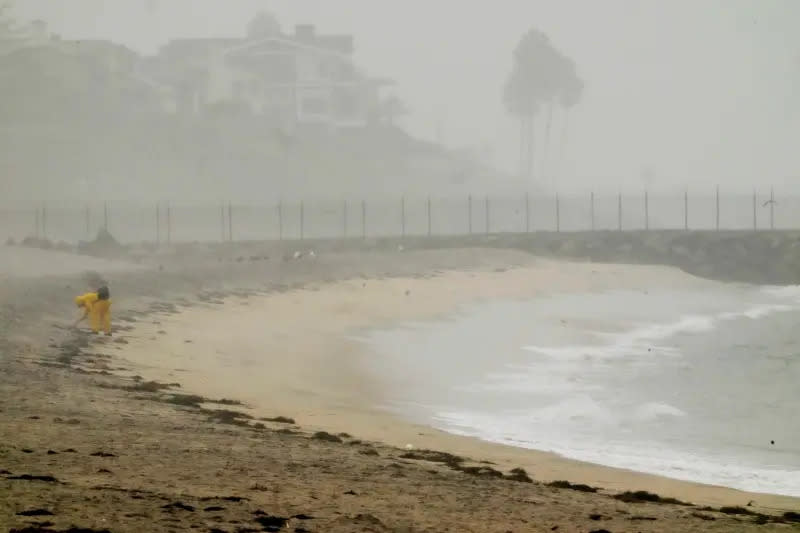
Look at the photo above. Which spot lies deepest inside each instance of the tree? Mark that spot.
(541, 77)
(6, 20)
(570, 97)
(530, 85)
(263, 25)
(9, 33)
(390, 109)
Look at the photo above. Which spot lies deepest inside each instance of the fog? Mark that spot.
(399, 265)
(698, 91)
(676, 95)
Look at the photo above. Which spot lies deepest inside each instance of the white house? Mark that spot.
(300, 79)
(14, 37)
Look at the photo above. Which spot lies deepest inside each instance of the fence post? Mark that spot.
(36, 224)
(619, 211)
(488, 225)
(105, 216)
(686, 210)
(591, 208)
(364, 219)
(755, 216)
(344, 219)
(558, 214)
(169, 224)
(88, 222)
(158, 224)
(717, 208)
(302, 220)
(403, 216)
(527, 213)
(429, 216)
(772, 208)
(646, 212)
(230, 222)
(222, 221)
(469, 213)
(44, 221)
(280, 219)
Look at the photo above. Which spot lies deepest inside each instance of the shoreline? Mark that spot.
(335, 402)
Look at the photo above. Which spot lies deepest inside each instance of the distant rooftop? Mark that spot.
(304, 34)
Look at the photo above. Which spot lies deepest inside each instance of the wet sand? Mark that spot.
(90, 440)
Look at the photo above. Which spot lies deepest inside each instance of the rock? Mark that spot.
(36, 242)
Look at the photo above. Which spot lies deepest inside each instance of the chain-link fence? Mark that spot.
(400, 216)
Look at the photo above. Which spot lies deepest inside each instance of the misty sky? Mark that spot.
(698, 91)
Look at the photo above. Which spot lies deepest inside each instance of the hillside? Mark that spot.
(72, 128)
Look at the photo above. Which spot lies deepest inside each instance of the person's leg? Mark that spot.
(95, 319)
(107, 319)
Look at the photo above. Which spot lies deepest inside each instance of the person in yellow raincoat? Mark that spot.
(96, 307)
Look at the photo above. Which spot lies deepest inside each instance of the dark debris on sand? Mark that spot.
(279, 420)
(29, 477)
(327, 437)
(561, 484)
(455, 462)
(46, 529)
(150, 386)
(642, 496)
(226, 416)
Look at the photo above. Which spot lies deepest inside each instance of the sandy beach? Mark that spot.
(148, 443)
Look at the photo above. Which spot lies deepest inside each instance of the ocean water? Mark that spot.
(694, 385)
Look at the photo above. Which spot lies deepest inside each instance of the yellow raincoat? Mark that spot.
(99, 311)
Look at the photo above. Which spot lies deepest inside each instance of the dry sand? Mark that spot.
(132, 456)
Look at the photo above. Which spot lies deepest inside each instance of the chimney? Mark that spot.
(304, 33)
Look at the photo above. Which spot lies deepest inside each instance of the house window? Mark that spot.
(315, 106)
(238, 89)
(346, 102)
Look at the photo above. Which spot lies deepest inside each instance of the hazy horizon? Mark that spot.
(699, 93)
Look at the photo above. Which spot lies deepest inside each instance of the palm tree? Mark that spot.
(263, 25)
(539, 77)
(391, 108)
(569, 98)
(543, 170)
(521, 103)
